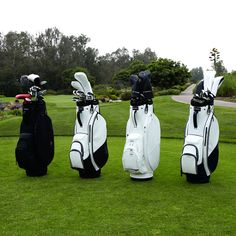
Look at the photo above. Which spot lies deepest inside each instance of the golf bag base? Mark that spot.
(141, 177)
(197, 179)
(89, 174)
(36, 172)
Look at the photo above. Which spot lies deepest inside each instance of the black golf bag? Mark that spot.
(35, 147)
(89, 152)
(201, 150)
(142, 148)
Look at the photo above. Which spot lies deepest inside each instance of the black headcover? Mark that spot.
(141, 88)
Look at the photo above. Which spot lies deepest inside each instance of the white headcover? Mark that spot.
(32, 77)
(76, 85)
(212, 83)
(83, 81)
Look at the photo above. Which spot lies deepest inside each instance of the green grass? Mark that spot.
(61, 203)
(172, 115)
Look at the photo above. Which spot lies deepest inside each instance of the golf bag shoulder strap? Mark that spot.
(196, 110)
(91, 125)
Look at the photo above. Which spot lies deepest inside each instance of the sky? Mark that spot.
(181, 30)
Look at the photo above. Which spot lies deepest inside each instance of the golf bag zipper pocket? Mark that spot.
(192, 154)
(79, 151)
(189, 159)
(24, 151)
(133, 159)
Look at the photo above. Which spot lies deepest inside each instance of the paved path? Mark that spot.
(187, 95)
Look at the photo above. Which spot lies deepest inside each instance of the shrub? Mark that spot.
(168, 92)
(52, 92)
(125, 96)
(16, 112)
(228, 88)
(108, 92)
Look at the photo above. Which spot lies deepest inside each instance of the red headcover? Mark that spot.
(23, 96)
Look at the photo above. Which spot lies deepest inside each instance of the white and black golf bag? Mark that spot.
(142, 148)
(201, 151)
(89, 152)
(35, 147)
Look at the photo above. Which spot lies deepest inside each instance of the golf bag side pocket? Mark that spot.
(44, 139)
(192, 154)
(24, 151)
(133, 160)
(79, 151)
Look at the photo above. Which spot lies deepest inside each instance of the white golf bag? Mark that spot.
(89, 151)
(142, 148)
(200, 152)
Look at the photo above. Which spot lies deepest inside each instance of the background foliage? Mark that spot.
(55, 56)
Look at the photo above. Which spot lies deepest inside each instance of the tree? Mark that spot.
(15, 53)
(146, 57)
(122, 77)
(217, 64)
(196, 74)
(166, 73)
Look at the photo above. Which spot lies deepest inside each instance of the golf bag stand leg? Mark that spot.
(201, 150)
(142, 147)
(89, 152)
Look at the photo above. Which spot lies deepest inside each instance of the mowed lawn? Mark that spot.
(172, 116)
(61, 203)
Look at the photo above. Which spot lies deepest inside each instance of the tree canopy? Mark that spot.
(165, 73)
(55, 56)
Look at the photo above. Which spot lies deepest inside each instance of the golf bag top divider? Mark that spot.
(201, 151)
(89, 152)
(35, 147)
(142, 148)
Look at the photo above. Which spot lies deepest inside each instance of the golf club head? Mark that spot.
(76, 85)
(209, 76)
(84, 82)
(43, 83)
(25, 82)
(35, 79)
(216, 84)
(79, 94)
(133, 79)
(144, 74)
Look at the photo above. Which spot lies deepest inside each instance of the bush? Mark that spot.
(168, 92)
(52, 92)
(2, 115)
(104, 91)
(113, 97)
(228, 88)
(181, 87)
(16, 112)
(125, 96)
